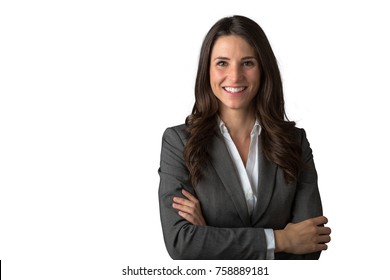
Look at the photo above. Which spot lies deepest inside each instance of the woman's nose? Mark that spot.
(235, 73)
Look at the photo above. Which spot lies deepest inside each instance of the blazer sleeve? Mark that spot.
(307, 202)
(184, 240)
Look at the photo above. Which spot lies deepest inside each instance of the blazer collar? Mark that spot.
(224, 166)
(266, 184)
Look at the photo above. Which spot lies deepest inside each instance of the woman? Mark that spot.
(237, 180)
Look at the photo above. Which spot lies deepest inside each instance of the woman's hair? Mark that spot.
(279, 144)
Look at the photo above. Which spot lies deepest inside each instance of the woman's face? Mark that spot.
(234, 73)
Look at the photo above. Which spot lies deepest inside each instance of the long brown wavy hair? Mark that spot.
(279, 144)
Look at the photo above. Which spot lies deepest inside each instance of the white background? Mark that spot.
(88, 87)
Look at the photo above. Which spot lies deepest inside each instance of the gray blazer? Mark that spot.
(231, 233)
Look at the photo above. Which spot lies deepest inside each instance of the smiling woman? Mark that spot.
(237, 180)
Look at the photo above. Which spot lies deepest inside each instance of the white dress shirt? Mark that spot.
(249, 175)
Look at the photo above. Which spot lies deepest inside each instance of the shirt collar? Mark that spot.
(256, 128)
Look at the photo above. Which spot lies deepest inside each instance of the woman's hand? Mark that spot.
(305, 237)
(189, 208)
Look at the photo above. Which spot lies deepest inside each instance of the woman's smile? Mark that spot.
(234, 90)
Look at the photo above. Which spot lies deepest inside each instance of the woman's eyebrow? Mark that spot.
(226, 58)
(222, 58)
(248, 57)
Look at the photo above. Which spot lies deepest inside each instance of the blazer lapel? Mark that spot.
(224, 166)
(266, 185)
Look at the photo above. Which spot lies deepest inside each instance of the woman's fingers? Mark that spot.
(189, 208)
(183, 201)
(188, 195)
(321, 247)
(188, 217)
(324, 239)
(324, 230)
(320, 220)
(184, 208)
(190, 214)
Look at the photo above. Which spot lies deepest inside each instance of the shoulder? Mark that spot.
(299, 134)
(301, 138)
(176, 134)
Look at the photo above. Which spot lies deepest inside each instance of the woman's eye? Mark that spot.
(221, 63)
(248, 63)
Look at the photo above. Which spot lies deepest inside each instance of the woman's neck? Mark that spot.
(238, 122)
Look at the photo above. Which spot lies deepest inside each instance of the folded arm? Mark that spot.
(304, 237)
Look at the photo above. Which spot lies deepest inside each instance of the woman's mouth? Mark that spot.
(234, 90)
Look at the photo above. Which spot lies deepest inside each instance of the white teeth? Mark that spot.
(235, 89)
